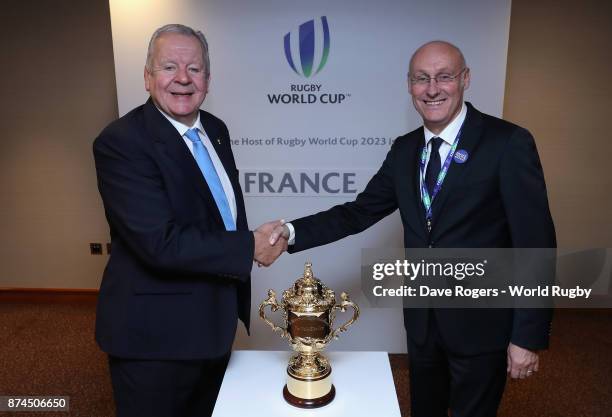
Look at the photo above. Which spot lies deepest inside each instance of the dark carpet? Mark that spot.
(49, 349)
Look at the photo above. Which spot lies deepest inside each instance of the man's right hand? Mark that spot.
(280, 231)
(266, 251)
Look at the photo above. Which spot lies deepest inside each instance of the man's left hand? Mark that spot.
(522, 362)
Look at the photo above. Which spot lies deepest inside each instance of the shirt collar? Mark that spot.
(183, 128)
(450, 132)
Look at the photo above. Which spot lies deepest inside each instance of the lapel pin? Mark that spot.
(461, 156)
(219, 141)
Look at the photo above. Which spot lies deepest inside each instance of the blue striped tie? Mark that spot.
(202, 157)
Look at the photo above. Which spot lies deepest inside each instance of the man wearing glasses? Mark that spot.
(463, 180)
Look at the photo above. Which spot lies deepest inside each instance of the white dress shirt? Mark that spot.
(225, 181)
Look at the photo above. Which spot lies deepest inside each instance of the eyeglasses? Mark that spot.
(439, 79)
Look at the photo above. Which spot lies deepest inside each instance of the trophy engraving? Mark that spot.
(308, 309)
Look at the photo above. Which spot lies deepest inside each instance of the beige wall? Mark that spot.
(58, 92)
(559, 65)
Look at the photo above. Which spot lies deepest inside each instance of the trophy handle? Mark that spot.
(274, 306)
(346, 302)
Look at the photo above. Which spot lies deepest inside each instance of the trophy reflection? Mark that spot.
(308, 309)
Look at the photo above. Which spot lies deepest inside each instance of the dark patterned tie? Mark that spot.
(433, 166)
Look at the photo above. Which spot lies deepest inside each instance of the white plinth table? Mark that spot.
(254, 382)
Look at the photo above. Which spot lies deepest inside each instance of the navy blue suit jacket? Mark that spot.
(496, 199)
(176, 280)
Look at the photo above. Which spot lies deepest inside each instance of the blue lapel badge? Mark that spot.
(461, 156)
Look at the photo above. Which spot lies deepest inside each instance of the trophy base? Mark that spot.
(309, 381)
(309, 402)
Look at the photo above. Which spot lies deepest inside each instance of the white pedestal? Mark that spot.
(254, 381)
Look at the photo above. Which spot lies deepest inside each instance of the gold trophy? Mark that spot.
(308, 310)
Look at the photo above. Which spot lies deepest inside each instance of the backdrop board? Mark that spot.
(313, 94)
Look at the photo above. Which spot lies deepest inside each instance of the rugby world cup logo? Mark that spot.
(307, 45)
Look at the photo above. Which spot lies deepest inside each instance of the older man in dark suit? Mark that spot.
(463, 180)
(179, 274)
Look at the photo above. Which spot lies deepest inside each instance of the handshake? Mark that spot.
(270, 242)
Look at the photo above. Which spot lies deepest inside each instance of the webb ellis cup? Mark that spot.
(308, 310)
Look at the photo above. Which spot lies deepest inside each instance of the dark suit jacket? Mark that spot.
(497, 199)
(176, 280)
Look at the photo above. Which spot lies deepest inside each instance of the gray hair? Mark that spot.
(183, 30)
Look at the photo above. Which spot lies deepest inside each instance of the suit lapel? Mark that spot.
(470, 136)
(220, 142)
(171, 143)
(411, 198)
